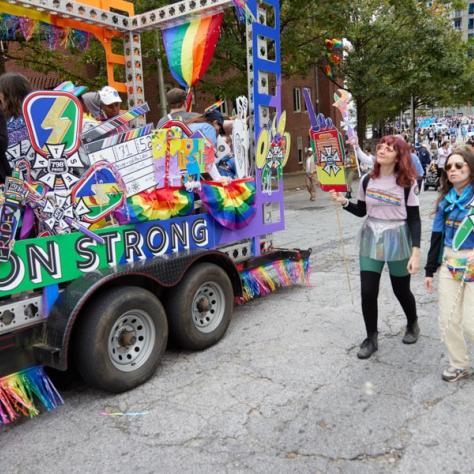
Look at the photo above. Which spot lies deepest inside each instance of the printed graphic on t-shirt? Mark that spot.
(384, 196)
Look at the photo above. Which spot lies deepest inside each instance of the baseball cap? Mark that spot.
(108, 95)
(176, 97)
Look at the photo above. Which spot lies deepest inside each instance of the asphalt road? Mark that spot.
(282, 392)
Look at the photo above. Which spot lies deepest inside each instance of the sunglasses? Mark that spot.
(457, 165)
(382, 146)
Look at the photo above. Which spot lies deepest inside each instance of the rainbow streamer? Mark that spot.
(266, 279)
(159, 204)
(20, 391)
(190, 47)
(231, 205)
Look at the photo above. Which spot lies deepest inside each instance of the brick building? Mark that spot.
(297, 123)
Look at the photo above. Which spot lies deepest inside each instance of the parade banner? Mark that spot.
(35, 263)
(329, 150)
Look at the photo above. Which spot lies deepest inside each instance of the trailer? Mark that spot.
(105, 298)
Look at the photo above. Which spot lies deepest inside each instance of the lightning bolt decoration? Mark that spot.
(53, 118)
(55, 121)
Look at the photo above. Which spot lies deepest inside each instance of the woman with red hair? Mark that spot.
(391, 233)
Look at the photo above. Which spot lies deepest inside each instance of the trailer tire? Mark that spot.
(120, 339)
(200, 307)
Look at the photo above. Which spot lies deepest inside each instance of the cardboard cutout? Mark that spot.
(328, 146)
(272, 152)
(240, 138)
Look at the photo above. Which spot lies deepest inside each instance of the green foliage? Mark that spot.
(402, 48)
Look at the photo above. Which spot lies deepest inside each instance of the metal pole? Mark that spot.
(161, 80)
(413, 125)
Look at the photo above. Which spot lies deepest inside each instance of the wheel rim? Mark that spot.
(131, 340)
(208, 307)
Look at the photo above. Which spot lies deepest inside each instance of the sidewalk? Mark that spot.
(294, 180)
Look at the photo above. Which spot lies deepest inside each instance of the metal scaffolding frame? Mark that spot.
(264, 73)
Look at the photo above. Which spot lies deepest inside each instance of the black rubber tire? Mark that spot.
(179, 302)
(91, 354)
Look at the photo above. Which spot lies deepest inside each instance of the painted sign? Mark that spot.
(101, 190)
(39, 262)
(272, 152)
(53, 118)
(134, 162)
(10, 216)
(175, 156)
(327, 144)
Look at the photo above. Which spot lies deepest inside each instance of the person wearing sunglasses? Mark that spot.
(456, 276)
(390, 234)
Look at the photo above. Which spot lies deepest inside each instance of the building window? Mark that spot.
(299, 142)
(297, 99)
(471, 24)
(457, 23)
(471, 9)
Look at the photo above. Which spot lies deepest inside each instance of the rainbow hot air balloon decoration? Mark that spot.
(190, 47)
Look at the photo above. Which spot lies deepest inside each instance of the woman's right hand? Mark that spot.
(338, 197)
(429, 284)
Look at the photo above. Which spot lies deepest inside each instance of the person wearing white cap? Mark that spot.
(109, 102)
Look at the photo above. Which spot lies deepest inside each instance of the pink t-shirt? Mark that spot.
(385, 199)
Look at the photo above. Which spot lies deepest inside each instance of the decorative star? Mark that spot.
(56, 167)
(58, 212)
(330, 158)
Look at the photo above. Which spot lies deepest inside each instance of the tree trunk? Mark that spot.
(361, 120)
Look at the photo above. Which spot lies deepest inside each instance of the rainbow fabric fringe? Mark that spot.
(159, 204)
(263, 280)
(19, 392)
(233, 204)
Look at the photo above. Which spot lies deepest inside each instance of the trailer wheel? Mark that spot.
(120, 339)
(200, 307)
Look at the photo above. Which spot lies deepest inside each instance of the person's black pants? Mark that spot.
(370, 282)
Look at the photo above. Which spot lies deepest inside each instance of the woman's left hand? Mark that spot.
(470, 258)
(414, 263)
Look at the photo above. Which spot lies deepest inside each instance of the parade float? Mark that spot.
(126, 242)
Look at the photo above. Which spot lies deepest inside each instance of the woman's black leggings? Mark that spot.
(370, 282)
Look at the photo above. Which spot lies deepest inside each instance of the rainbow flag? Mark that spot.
(231, 205)
(190, 47)
(159, 204)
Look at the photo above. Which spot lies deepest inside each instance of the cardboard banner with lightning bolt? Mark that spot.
(54, 121)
